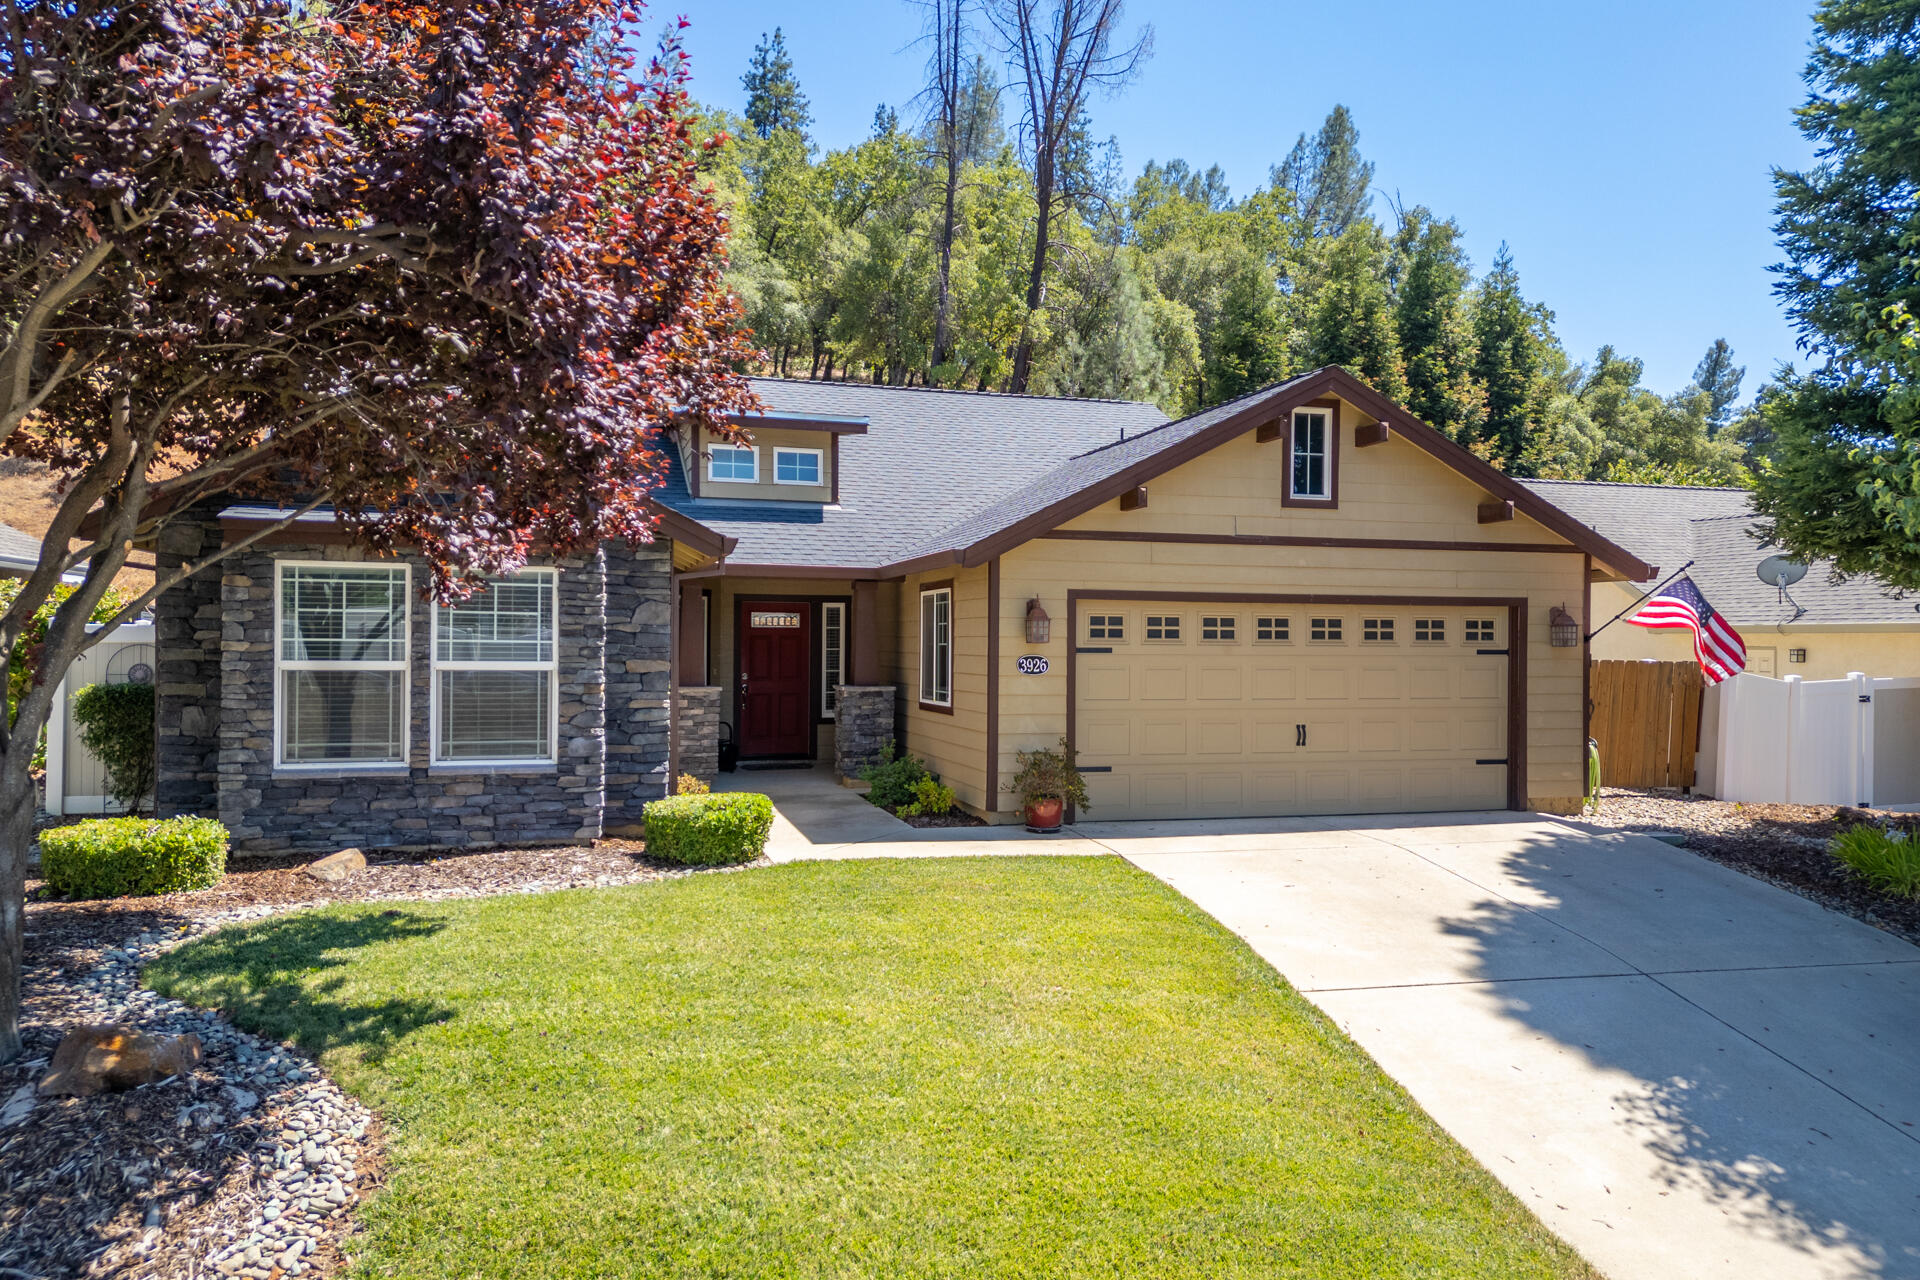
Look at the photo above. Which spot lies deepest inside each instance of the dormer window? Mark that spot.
(734, 463)
(796, 466)
(1310, 472)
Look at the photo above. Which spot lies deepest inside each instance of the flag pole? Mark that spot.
(1642, 600)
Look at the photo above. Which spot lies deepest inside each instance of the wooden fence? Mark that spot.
(1646, 718)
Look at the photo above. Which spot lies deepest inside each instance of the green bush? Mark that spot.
(931, 799)
(709, 830)
(1887, 860)
(116, 723)
(890, 783)
(133, 857)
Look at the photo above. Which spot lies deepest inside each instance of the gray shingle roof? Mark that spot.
(929, 460)
(19, 552)
(1669, 525)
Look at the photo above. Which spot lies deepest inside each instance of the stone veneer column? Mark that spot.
(639, 664)
(187, 630)
(863, 725)
(699, 725)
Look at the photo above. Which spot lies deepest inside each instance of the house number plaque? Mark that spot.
(1032, 664)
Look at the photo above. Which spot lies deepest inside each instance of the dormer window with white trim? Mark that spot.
(735, 463)
(797, 466)
(1310, 473)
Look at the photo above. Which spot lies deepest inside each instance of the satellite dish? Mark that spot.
(1781, 572)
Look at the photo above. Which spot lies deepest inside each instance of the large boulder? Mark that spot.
(337, 866)
(94, 1059)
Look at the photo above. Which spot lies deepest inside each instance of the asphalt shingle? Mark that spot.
(19, 552)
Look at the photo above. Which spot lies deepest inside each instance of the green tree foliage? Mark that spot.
(1351, 319)
(1612, 428)
(1720, 378)
(1435, 332)
(774, 100)
(1843, 474)
(1330, 184)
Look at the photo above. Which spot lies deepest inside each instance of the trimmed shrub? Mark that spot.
(890, 783)
(688, 785)
(931, 799)
(133, 857)
(116, 723)
(709, 830)
(1887, 860)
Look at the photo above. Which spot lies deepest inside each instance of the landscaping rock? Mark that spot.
(336, 867)
(95, 1059)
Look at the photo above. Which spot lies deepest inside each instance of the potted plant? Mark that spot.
(1046, 782)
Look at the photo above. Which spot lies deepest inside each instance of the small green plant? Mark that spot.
(116, 723)
(1047, 774)
(890, 782)
(931, 799)
(1887, 860)
(133, 857)
(709, 830)
(688, 785)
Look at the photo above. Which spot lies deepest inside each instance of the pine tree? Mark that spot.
(1330, 184)
(1350, 320)
(1717, 375)
(774, 100)
(1510, 348)
(1844, 482)
(1435, 335)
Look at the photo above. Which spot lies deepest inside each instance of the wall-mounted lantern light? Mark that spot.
(1562, 631)
(1039, 625)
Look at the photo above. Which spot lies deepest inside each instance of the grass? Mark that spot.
(948, 1067)
(1888, 861)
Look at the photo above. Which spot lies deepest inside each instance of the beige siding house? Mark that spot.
(1302, 601)
(1818, 629)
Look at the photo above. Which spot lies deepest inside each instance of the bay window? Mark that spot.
(341, 684)
(495, 671)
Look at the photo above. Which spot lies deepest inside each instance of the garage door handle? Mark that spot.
(1501, 760)
(1299, 735)
(1096, 768)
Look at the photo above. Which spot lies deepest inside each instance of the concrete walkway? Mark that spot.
(1683, 1071)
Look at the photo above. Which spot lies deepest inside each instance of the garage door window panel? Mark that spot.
(1107, 628)
(1429, 630)
(1219, 628)
(1273, 630)
(1163, 628)
(1327, 631)
(1377, 630)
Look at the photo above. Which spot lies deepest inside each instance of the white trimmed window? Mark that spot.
(833, 655)
(1307, 477)
(341, 687)
(936, 647)
(495, 668)
(796, 466)
(733, 463)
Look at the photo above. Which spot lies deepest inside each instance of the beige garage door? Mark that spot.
(1218, 710)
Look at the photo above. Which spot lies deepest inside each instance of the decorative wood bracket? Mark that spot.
(1268, 432)
(1371, 433)
(1134, 498)
(1497, 511)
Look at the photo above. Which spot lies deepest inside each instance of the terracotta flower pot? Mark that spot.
(1044, 814)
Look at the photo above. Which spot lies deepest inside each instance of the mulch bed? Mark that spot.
(954, 819)
(154, 1181)
(1783, 844)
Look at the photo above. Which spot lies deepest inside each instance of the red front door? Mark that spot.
(776, 679)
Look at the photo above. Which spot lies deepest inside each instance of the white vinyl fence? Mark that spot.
(75, 781)
(1854, 741)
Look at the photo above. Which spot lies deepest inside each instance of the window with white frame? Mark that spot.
(936, 647)
(739, 463)
(1308, 476)
(833, 651)
(341, 686)
(796, 466)
(494, 671)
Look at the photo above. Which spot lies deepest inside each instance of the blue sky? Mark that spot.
(1623, 151)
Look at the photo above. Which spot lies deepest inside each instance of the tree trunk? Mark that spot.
(16, 829)
(941, 338)
(1036, 281)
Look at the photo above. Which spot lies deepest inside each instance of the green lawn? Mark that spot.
(941, 1067)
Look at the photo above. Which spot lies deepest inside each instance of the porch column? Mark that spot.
(863, 635)
(691, 634)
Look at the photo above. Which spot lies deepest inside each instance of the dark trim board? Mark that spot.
(1288, 540)
(1516, 608)
(993, 685)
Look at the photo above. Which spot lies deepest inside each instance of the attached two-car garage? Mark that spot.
(1247, 706)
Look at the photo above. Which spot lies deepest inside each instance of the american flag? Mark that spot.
(1721, 651)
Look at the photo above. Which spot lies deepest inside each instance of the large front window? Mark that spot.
(494, 669)
(342, 664)
(936, 647)
(1308, 477)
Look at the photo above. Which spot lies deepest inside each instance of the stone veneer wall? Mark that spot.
(187, 632)
(699, 716)
(863, 725)
(217, 672)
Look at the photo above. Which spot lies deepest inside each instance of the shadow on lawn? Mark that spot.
(1711, 1128)
(271, 978)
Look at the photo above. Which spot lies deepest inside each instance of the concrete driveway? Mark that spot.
(1683, 1071)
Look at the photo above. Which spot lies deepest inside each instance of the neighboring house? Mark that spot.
(1821, 630)
(19, 552)
(1301, 601)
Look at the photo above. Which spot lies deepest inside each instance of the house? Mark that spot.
(1301, 601)
(1817, 628)
(19, 552)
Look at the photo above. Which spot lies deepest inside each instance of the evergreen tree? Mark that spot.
(1435, 335)
(885, 121)
(1330, 184)
(1844, 478)
(1511, 342)
(1717, 375)
(1350, 320)
(981, 128)
(774, 100)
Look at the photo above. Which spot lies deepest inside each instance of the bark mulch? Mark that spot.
(1783, 844)
(147, 1182)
